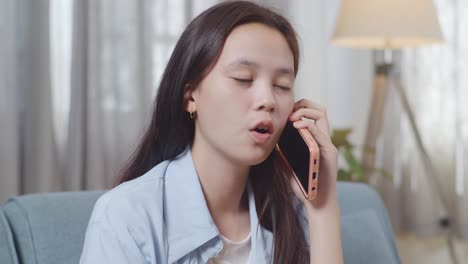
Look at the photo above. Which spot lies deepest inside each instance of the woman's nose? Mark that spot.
(264, 95)
(266, 105)
(265, 99)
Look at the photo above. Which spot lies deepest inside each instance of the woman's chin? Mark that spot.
(258, 156)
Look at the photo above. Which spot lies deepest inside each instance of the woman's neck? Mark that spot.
(224, 187)
(223, 182)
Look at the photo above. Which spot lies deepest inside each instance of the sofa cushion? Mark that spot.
(7, 247)
(364, 239)
(50, 228)
(359, 197)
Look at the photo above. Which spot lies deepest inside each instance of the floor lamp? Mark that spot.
(385, 26)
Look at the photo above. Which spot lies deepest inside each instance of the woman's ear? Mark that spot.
(189, 99)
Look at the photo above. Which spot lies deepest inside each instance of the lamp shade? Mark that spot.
(386, 24)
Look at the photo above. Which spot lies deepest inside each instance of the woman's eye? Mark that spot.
(243, 80)
(283, 87)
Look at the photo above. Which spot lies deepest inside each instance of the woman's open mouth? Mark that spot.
(261, 134)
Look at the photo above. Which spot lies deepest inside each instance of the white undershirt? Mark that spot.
(233, 252)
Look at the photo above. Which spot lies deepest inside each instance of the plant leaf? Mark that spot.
(340, 137)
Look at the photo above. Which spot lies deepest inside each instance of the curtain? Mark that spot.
(78, 78)
(9, 110)
(28, 156)
(434, 80)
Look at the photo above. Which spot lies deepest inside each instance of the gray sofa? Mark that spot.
(49, 228)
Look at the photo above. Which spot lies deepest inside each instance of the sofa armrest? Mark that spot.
(367, 234)
(50, 228)
(7, 246)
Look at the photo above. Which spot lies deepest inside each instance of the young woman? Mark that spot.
(205, 184)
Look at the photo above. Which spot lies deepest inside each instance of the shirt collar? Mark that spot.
(188, 221)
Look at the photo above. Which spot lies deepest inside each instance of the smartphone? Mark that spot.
(299, 150)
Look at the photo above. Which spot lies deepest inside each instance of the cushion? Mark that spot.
(7, 247)
(364, 239)
(50, 228)
(359, 197)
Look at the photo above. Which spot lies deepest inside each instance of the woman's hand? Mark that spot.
(307, 114)
(323, 213)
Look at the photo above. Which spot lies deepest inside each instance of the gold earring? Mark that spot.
(192, 115)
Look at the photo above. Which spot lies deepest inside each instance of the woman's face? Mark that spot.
(244, 102)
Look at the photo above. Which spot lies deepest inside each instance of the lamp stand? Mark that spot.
(374, 123)
(385, 76)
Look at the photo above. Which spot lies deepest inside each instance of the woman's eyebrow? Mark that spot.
(286, 71)
(242, 62)
(248, 63)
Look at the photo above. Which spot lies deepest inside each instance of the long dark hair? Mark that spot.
(171, 130)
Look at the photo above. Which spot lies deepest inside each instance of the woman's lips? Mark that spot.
(259, 137)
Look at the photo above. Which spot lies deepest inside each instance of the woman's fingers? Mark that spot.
(321, 137)
(311, 110)
(304, 103)
(307, 112)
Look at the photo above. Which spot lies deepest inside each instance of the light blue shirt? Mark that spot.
(162, 217)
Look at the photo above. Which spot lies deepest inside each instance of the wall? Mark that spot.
(337, 78)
